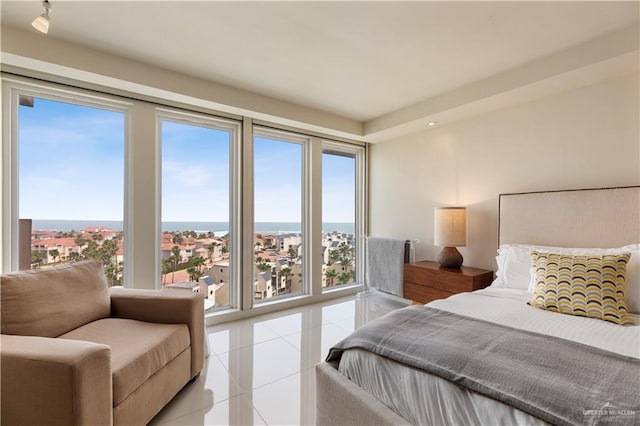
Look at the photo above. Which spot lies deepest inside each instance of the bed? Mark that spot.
(371, 388)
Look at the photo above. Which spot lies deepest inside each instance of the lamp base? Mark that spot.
(450, 257)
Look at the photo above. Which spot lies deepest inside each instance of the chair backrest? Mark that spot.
(50, 302)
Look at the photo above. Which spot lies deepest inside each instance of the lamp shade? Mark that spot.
(450, 227)
(41, 23)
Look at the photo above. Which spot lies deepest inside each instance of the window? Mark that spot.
(71, 183)
(278, 219)
(341, 223)
(164, 196)
(338, 218)
(197, 232)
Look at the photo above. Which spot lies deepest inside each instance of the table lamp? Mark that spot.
(450, 231)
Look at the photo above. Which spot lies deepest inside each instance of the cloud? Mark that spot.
(175, 173)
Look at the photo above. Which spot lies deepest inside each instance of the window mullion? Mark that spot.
(246, 275)
(142, 213)
(313, 215)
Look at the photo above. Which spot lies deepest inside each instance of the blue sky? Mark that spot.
(71, 162)
(71, 167)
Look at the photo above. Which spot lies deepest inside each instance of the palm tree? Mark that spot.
(263, 267)
(79, 240)
(286, 273)
(345, 251)
(37, 258)
(194, 274)
(175, 252)
(344, 277)
(211, 248)
(119, 267)
(292, 252)
(334, 256)
(91, 250)
(108, 252)
(166, 267)
(198, 262)
(54, 254)
(331, 275)
(110, 272)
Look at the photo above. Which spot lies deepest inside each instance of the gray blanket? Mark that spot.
(385, 264)
(556, 380)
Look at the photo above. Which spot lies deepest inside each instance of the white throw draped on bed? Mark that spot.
(385, 264)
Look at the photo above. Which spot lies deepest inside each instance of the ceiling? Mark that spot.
(359, 60)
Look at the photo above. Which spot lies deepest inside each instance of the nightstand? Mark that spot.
(426, 281)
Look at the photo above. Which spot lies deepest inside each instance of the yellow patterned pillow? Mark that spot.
(587, 286)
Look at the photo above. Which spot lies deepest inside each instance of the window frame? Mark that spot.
(12, 89)
(234, 128)
(287, 136)
(359, 153)
(142, 177)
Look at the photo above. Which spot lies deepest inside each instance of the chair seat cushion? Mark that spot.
(138, 349)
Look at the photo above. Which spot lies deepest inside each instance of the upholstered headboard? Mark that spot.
(604, 217)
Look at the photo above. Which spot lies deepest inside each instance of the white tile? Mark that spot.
(285, 325)
(288, 401)
(314, 344)
(267, 363)
(238, 335)
(195, 395)
(295, 320)
(331, 334)
(233, 411)
(346, 323)
(219, 380)
(340, 310)
(262, 363)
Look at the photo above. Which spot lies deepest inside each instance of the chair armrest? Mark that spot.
(55, 381)
(165, 307)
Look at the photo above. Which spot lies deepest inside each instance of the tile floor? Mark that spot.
(261, 370)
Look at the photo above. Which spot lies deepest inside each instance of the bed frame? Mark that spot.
(602, 217)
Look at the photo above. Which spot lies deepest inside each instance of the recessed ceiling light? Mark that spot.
(433, 123)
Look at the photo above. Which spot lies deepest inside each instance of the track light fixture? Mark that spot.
(41, 23)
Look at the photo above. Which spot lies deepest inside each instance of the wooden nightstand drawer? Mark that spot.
(453, 283)
(426, 281)
(423, 294)
(417, 275)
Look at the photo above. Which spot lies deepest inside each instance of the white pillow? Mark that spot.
(515, 268)
(632, 288)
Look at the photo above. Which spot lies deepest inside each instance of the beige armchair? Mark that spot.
(74, 352)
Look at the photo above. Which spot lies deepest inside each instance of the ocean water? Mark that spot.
(219, 228)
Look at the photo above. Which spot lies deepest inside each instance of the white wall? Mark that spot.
(588, 137)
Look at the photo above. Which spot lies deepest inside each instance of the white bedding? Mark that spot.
(509, 307)
(422, 398)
